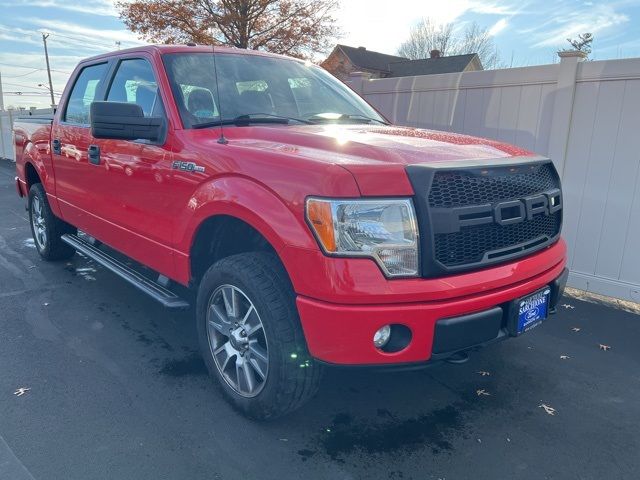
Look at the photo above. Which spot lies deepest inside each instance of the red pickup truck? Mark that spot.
(313, 231)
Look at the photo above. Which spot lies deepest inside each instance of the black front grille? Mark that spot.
(445, 196)
(470, 245)
(462, 188)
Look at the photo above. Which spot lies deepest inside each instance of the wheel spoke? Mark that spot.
(246, 378)
(230, 301)
(251, 322)
(224, 353)
(259, 366)
(220, 321)
(258, 352)
(240, 382)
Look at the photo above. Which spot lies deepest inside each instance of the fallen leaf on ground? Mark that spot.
(605, 347)
(567, 306)
(482, 392)
(21, 391)
(548, 409)
(483, 373)
(576, 329)
(564, 357)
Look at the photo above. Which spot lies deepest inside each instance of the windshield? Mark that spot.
(255, 86)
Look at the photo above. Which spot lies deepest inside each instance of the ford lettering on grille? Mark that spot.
(448, 220)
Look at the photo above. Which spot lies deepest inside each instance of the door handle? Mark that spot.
(94, 154)
(56, 146)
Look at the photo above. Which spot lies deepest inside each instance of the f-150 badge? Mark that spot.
(187, 167)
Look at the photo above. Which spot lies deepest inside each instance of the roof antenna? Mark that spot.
(222, 140)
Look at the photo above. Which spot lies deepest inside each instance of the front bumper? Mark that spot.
(342, 333)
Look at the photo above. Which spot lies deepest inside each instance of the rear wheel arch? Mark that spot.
(31, 175)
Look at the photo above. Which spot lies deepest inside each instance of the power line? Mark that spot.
(83, 40)
(40, 69)
(26, 94)
(29, 86)
(23, 74)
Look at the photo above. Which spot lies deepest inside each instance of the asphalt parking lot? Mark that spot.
(114, 389)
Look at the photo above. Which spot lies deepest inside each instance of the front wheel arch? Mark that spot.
(222, 236)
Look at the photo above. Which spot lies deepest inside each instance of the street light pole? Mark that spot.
(46, 56)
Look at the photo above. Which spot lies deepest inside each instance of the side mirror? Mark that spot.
(124, 121)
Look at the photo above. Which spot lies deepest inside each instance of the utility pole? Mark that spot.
(46, 56)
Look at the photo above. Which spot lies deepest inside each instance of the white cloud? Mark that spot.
(94, 7)
(381, 26)
(498, 27)
(569, 22)
(82, 33)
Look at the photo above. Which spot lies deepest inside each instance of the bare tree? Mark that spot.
(476, 39)
(424, 37)
(427, 36)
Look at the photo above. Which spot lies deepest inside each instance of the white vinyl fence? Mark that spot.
(6, 123)
(584, 115)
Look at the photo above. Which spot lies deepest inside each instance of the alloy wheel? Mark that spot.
(237, 340)
(38, 223)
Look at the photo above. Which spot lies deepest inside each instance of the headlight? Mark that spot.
(384, 230)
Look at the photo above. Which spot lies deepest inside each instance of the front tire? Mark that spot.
(46, 228)
(251, 338)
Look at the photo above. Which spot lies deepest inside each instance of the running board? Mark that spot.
(156, 291)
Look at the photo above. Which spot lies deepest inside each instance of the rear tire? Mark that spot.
(46, 228)
(246, 313)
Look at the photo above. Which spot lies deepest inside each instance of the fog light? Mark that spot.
(382, 336)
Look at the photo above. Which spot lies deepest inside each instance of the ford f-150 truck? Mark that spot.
(313, 231)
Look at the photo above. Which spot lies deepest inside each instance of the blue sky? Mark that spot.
(526, 32)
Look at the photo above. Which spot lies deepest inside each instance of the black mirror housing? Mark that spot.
(124, 121)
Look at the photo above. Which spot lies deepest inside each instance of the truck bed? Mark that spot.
(32, 137)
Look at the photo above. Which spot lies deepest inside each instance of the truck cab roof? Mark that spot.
(190, 48)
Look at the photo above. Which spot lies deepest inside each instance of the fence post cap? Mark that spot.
(572, 54)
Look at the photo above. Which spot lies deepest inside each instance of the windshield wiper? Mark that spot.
(364, 117)
(240, 120)
(356, 117)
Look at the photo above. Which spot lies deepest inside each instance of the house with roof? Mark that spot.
(345, 60)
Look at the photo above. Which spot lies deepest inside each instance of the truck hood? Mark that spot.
(376, 155)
